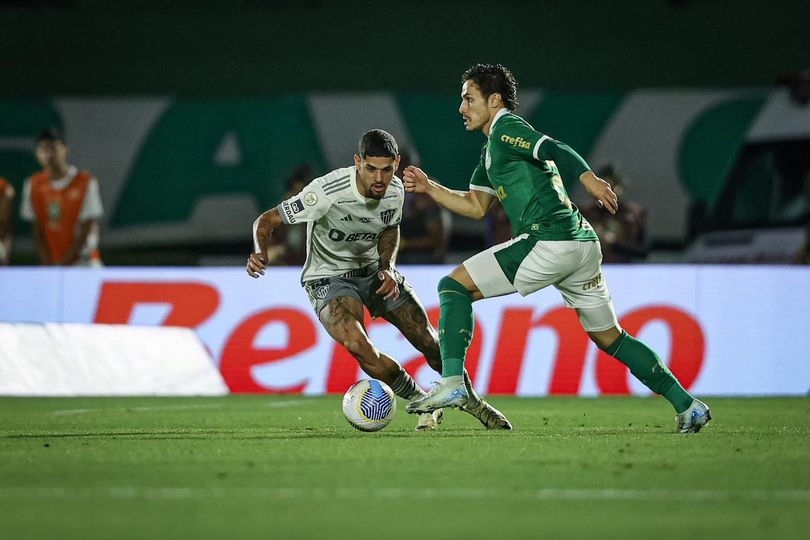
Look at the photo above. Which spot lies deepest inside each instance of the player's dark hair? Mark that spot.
(377, 143)
(50, 135)
(494, 79)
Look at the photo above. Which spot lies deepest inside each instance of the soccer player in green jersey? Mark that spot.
(552, 244)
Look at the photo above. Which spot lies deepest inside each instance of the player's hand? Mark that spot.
(389, 288)
(414, 179)
(601, 191)
(256, 264)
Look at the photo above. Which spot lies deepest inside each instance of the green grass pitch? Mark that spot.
(286, 467)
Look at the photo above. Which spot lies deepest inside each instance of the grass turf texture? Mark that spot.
(291, 467)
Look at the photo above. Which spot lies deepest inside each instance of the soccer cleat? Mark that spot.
(488, 415)
(430, 421)
(447, 393)
(694, 418)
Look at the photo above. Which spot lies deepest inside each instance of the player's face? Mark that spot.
(52, 154)
(474, 107)
(374, 174)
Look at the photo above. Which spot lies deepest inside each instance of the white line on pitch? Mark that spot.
(69, 412)
(544, 494)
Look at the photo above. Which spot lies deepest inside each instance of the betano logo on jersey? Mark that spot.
(517, 142)
(337, 236)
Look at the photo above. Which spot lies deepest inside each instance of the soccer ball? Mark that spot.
(369, 405)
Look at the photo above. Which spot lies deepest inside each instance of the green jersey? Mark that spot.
(519, 166)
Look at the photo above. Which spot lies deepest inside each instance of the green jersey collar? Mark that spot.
(498, 115)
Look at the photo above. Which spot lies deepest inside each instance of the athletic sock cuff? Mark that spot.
(448, 284)
(614, 347)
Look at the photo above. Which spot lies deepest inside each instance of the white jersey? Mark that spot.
(343, 225)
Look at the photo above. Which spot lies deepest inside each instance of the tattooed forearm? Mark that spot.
(387, 246)
(262, 229)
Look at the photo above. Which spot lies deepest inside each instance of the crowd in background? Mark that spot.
(63, 206)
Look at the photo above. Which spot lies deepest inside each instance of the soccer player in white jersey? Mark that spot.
(352, 216)
(552, 243)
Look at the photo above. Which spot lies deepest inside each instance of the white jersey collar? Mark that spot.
(61, 183)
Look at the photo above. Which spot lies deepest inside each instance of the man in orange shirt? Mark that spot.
(64, 206)
(6, 199)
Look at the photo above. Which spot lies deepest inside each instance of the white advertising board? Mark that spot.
(73, 359)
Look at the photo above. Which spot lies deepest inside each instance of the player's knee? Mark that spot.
(603, 340)
(448, 285)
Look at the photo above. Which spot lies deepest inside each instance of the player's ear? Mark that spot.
(357, 161)
(495, 100)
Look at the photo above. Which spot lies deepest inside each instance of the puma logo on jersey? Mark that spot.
(517, 142)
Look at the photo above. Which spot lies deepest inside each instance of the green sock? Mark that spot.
(645, 365)
(455, 325)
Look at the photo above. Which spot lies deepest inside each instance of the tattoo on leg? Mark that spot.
(411, 319)
(340, 315)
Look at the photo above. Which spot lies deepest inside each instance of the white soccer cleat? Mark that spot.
(694, 418)
(430, 421)
(447, 393)
(488, 415)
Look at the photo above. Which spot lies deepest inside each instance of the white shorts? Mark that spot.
(526, 265)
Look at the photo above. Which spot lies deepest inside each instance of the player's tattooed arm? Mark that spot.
(262, 229)
(387, 246)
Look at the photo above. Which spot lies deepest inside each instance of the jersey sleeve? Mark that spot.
(480, 180)
(563, 155)
(26, 208)
(311, 204)
(91, 206)
(396, 221)
(519, 139)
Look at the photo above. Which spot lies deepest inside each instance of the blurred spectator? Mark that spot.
(63, 205)
(498, 229)
(425, 228)
(288, 245)
(622, 235)
(6, 200)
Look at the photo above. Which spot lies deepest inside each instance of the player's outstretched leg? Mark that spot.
(342, 317)
(412, 320)
(691, 414)
(455, 334)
